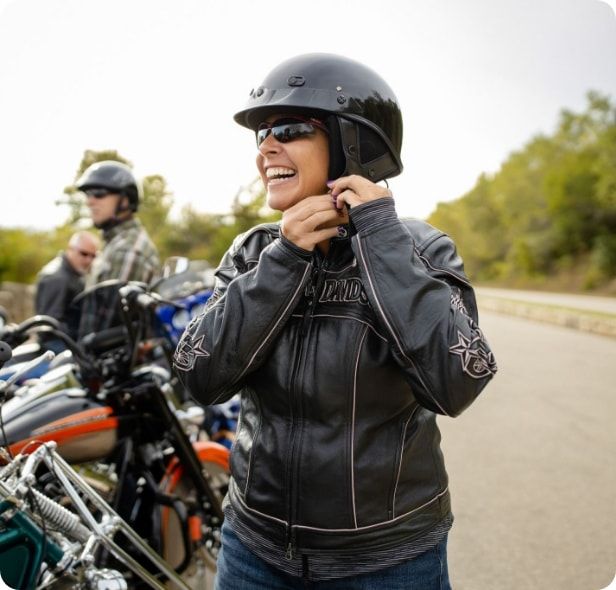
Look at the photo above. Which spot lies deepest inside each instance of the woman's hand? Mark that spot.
(313, 220)
(355, 190)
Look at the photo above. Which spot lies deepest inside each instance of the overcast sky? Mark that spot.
(159, 81)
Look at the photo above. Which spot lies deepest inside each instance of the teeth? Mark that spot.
(277, 172)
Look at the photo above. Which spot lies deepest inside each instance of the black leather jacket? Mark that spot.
(57, 285)
(342, 363)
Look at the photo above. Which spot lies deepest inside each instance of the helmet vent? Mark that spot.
(296, 80)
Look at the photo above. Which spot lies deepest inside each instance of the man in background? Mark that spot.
(61, 280)
(112, 196)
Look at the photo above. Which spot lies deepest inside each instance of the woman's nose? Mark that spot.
(269, 145)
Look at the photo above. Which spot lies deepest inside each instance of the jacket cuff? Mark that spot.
(374, 214)
(295, 249)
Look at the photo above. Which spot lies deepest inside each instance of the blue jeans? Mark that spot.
(240, 569)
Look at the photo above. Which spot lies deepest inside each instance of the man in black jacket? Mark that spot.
(61, 280)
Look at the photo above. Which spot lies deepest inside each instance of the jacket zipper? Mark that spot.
(316, 281)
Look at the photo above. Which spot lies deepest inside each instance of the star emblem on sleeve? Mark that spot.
(187, 353)
(477, 360)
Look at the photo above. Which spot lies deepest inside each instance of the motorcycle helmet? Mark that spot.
(116, 177)
(359, 108)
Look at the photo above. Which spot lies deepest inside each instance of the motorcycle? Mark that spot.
(114, 413)
(43, 544)
(185, 284)
(188, 284)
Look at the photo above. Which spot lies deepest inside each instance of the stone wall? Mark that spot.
(17, 300)
(577, 319)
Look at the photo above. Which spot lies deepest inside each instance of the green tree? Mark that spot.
(155, 206)
(551, 206)
(24, 252)
(207, 236)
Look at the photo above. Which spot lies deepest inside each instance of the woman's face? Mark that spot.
(293, 170)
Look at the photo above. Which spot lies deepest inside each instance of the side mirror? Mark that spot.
(174, 265)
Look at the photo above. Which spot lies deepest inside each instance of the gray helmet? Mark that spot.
(358, 106)
(114, 176)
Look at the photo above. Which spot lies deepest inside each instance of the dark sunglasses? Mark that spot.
(288, 129)
(97, 193)
(86, 254)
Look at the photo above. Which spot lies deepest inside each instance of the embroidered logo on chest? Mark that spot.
(343, 291)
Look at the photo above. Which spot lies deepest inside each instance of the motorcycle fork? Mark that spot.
(187, 456)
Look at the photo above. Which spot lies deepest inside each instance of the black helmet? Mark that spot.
(358, 106)
(114, 176)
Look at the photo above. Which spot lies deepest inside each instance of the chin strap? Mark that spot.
(381, 167)
(345, 151)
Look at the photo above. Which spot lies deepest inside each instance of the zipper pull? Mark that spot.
(290, 554)
(320, 280)
(312, 295)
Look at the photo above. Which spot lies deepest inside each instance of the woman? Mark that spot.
(346, 330)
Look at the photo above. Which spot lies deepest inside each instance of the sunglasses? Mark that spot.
(97, 193)
(86, 254)
(288, 129)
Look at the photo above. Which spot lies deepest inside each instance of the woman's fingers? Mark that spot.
(355, 190)
(313, 205)
(307, 238)
(317, 220)
(312, 220)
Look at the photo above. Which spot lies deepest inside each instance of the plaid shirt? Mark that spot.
(128, 255)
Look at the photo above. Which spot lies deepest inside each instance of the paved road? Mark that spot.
(532, 464)
(585, 302)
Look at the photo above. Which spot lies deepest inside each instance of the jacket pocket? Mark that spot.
(247, 431)
(421, 477)
(398, 464)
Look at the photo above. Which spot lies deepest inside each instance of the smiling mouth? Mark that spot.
(279, 174)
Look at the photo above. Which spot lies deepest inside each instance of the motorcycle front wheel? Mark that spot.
(201, 570)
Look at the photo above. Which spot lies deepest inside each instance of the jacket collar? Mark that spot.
(131, 223)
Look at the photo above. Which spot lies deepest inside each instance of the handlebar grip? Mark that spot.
(145, 300)
(105, 339)
(13, 335)
(16, 334)
(5, 353)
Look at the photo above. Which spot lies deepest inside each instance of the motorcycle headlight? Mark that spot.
(180, 319)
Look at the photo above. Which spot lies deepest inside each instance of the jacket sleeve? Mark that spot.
(416, 284)
(247, 310)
